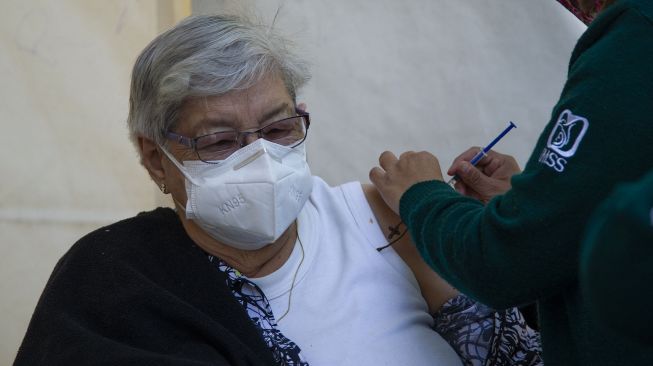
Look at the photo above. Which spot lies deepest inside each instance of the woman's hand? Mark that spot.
(490, 177)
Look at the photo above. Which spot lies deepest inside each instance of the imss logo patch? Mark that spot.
(563, 141)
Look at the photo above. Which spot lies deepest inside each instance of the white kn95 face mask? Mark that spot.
(249, 199)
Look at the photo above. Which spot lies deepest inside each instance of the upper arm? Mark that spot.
(434, 289)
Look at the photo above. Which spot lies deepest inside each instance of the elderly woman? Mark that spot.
(260, 263)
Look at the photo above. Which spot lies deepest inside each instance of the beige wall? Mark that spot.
(68, 166)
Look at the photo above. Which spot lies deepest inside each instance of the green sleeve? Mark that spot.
(524, 245)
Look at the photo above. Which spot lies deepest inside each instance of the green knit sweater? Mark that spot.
(617, 262)
(524, 246)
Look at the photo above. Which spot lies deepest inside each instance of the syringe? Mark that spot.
(483, 152)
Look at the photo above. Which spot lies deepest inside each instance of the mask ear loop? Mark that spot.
(176, 163)
(182, 207)
(183, 172)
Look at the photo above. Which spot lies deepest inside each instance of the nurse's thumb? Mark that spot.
(473, 178)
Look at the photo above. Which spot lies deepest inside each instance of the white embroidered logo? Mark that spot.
(567, 133)
(563, 141)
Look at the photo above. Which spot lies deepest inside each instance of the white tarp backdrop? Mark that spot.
(427, 75)
(399, 75)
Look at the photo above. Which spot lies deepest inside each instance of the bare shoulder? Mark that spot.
(434, 289)
(389, 222)
(384, 214)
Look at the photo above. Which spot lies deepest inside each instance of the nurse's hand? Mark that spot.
(490, 177)
(395, 176)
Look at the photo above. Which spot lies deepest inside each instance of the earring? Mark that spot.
(163, 188)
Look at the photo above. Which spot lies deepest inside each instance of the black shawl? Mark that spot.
(139, 292)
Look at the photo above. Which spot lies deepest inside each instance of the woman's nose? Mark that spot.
(250, 137)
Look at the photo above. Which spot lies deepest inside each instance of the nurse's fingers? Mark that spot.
(387, 160)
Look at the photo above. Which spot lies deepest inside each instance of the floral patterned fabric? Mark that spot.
(483, 337)
(250, 296)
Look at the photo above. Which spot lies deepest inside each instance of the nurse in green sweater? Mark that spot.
(523, 246)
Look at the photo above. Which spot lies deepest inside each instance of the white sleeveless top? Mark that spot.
(351, 305)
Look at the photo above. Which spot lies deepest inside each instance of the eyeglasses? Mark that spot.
(217, 146)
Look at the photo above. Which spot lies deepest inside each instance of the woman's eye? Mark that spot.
(281, 128)
(277, 132)
(222, 144)
(217, 142)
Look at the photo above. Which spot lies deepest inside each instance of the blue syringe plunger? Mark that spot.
(484, 151)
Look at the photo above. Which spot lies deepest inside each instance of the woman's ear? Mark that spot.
(151, 158)
(301, 107)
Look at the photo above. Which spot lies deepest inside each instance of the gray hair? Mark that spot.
(205, 56)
